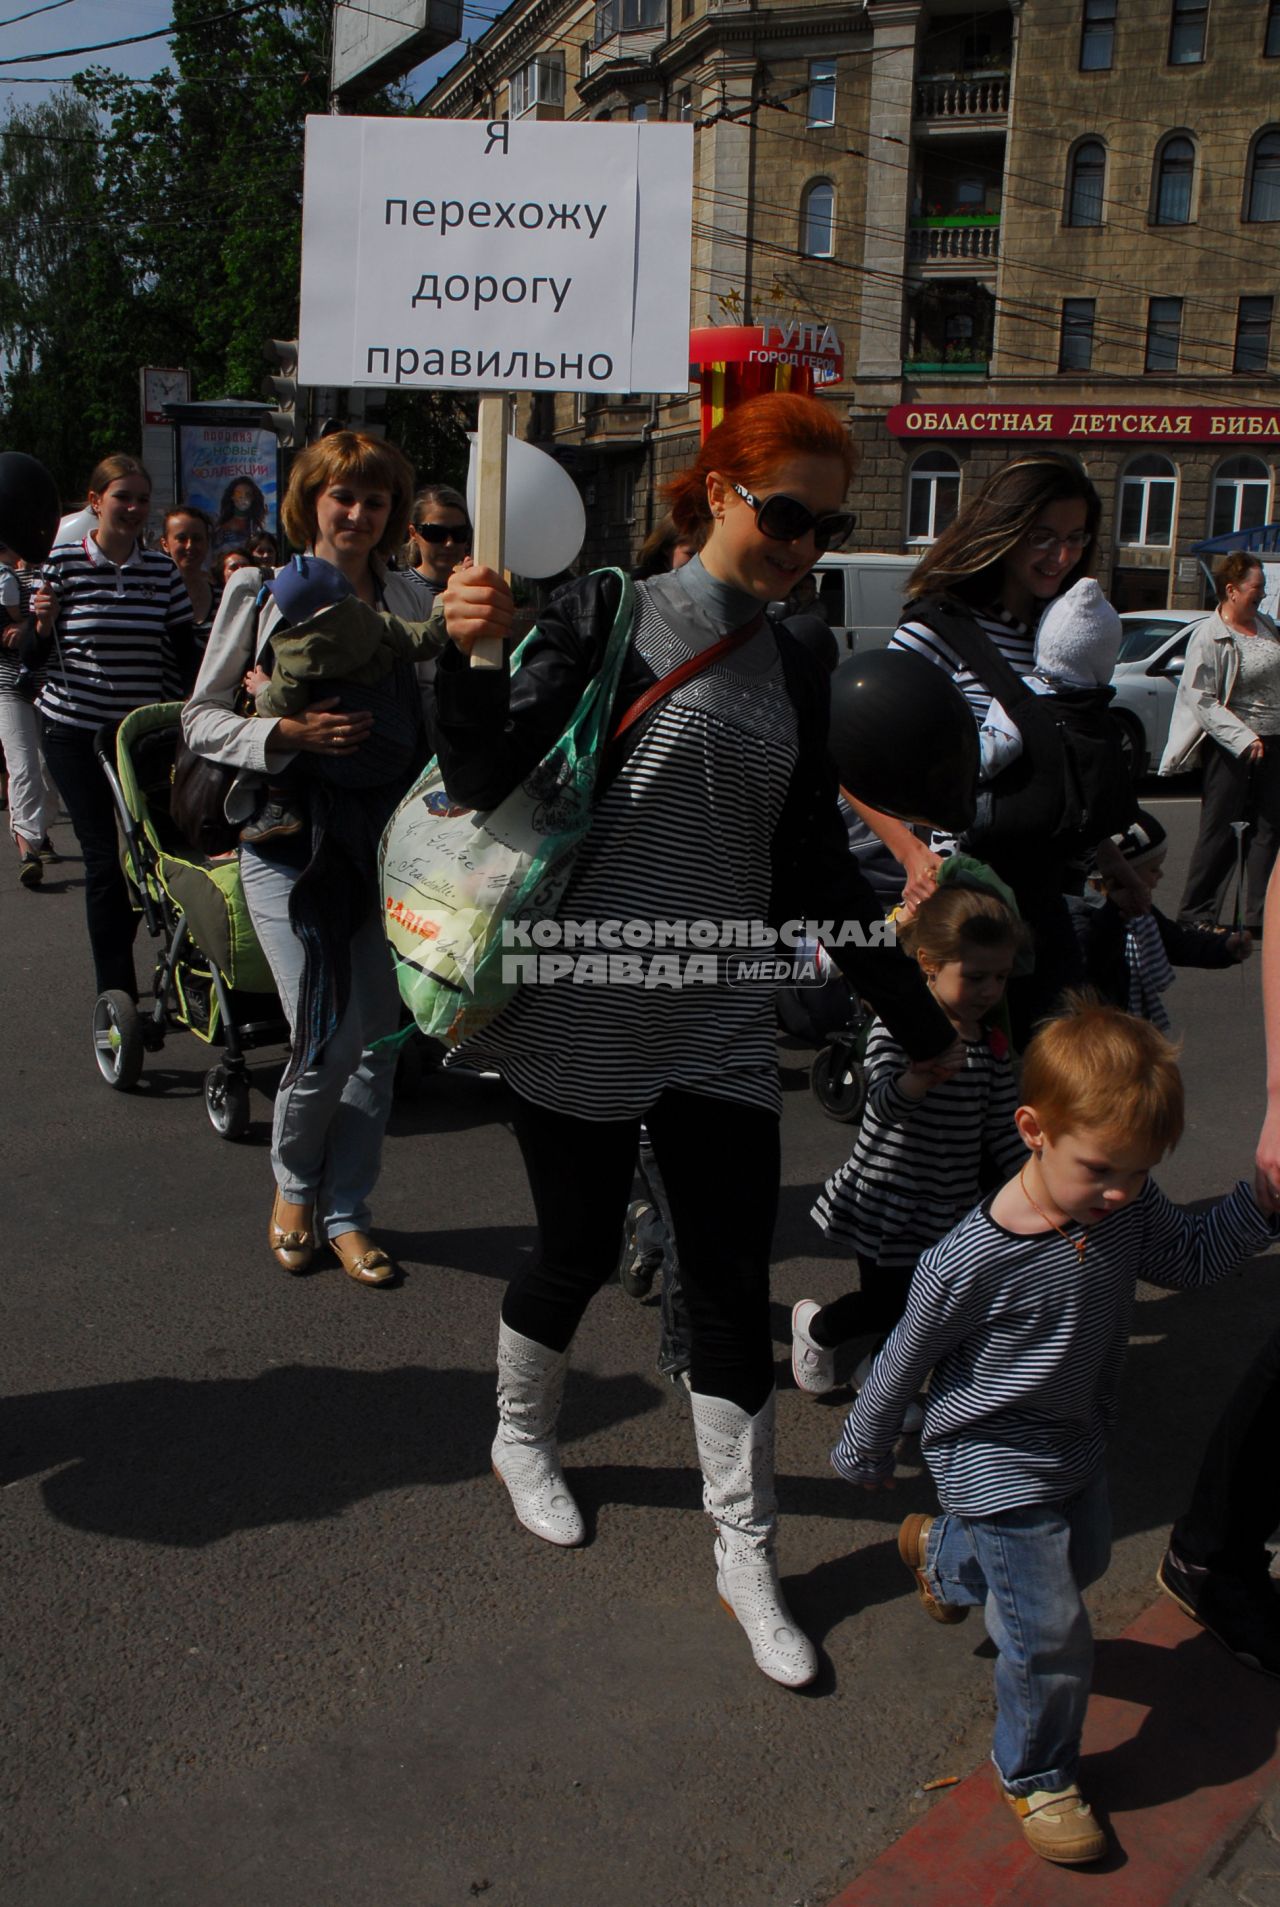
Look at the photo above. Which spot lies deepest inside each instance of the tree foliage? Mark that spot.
(159, 222)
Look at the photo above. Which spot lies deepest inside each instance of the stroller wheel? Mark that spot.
(226, 1100)
(117, 1040)
(839, 1083)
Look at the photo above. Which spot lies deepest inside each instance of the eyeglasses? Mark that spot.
(444, 533)
(1042, 541)
(786, 520)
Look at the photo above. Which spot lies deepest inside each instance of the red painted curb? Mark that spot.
(1179, 1749)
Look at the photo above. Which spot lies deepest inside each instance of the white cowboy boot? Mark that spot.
(530, 1386)
(736, 1454)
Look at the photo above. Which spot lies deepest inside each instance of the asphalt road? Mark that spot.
(270, 1632)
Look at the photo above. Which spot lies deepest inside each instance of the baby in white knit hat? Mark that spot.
(1077, 643)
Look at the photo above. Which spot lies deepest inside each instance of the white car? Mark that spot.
(1152, 652)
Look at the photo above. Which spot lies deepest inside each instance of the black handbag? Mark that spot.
(197, 802)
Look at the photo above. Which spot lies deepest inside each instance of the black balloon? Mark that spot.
(30, 508)
(903, 738)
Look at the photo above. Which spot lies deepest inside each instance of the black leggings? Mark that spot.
(722, 1164)
(874, 1308)
(86, 796)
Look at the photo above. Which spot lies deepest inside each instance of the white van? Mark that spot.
(860, 595)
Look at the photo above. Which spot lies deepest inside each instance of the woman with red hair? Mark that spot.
(715, 817)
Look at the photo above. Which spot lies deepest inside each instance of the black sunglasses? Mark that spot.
(443, 532)
(786, 520)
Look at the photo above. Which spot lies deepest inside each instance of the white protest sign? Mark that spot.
(445, 253)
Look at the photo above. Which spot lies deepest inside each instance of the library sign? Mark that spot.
(1065, 422)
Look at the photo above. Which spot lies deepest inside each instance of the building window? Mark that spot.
(1271, 45)
(626, 16)
(1253, 336)
(540, 83)
(1186, 32)
(1241, 495)
(1075, 344)
(1087, 171)
(1146, 502)
(933, 495)
(817, 219)
(822, 92)
(626, 494)
(584, 59)
(1164, 332)
(684, 108)
(686, 9)
(1097, 36)
(1264, 180)
(1175, 174)
(639, 109)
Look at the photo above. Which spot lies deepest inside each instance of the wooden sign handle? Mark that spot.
(491, 480)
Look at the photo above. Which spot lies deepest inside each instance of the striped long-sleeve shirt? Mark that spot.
(123, 636)
(1026, 1340)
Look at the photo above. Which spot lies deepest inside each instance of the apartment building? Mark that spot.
(1053, 224)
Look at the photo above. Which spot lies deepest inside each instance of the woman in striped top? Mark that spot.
(1025, 538)
(723, 810)
(121, 624)
(932, 1138)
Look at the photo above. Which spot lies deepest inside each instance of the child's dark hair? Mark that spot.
(955, 921)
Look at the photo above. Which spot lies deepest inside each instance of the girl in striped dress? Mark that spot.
(722, 810)
(933, 1135)
(122, 630)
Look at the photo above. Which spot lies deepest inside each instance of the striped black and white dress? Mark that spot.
(917, 1166)
(1026, 1338)
(119, 634)
(682, 835)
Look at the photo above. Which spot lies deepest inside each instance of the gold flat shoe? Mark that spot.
(361, 1259)
(292, 1249)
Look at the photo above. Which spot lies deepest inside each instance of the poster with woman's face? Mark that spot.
(229, 471)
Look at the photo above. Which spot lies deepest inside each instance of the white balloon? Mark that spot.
(544, 522)
(75, 528)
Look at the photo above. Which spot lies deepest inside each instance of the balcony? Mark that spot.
(962, 240)
(963, 99)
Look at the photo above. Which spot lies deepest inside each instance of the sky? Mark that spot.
(86, 22)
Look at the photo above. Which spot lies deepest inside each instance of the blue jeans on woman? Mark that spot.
(1027, 1567)
(326, 1141)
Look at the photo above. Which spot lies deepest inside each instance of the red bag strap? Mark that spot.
(684, 671)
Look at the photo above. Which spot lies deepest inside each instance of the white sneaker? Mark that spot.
(912, 1417)
(812, 1366)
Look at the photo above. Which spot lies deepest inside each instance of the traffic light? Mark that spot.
(287, 420)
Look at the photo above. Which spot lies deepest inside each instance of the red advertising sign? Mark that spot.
(1158, 424)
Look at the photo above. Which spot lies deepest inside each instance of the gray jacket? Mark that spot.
(1204, 694)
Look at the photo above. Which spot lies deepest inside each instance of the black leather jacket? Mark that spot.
(490, 729)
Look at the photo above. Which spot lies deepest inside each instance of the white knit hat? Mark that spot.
(1078, 639)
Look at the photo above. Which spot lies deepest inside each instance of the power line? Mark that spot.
(51, 6)
(133, 39)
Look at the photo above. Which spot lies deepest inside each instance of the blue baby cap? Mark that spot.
(305, 586)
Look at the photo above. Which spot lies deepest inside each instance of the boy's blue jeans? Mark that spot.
(1027, 1568)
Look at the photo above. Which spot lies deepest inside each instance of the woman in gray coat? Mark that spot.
(1227, 716)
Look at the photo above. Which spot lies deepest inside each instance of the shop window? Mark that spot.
(1086, 174)
(1097, 36)
(1186, 32)
(1241, 496)
(1164, 334)
(933, 495)
(1264, 180)
(1175, 176)
(817, 219)
(1075, 343)
(822, 92)
(1147, 492)
(1253, 336)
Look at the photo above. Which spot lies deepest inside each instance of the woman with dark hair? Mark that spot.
(1227, 716)
(122, 635)
(1026, 537)
(348, 503)
(187, 537)
(720, 807)
(439, 536)
(241, 514)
